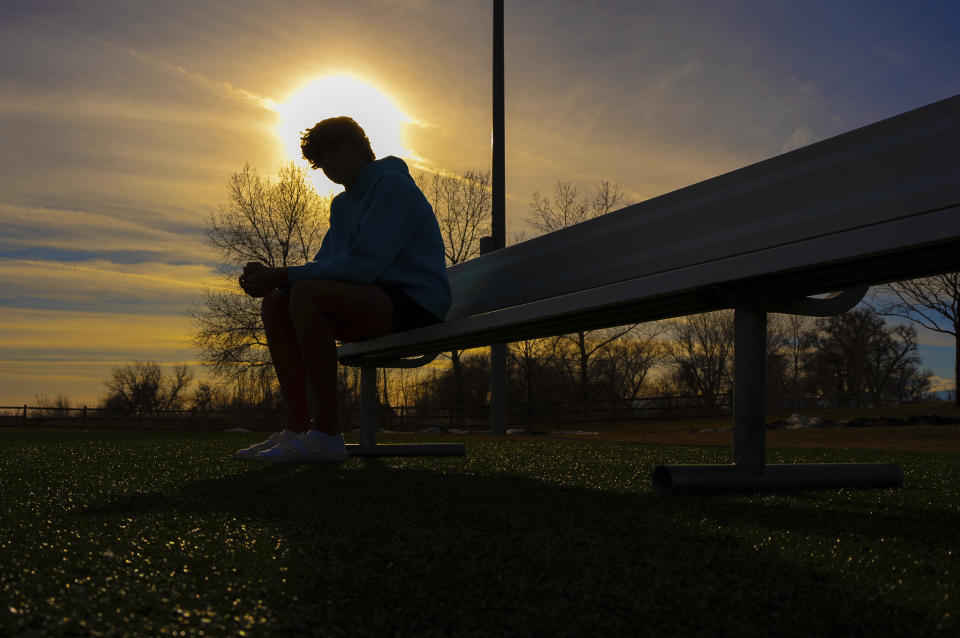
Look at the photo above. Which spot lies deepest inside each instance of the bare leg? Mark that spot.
(285, 353)
(323, 311)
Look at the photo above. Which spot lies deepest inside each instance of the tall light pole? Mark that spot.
(498, 223)
(498, 228)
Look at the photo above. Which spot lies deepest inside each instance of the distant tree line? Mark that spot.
(851, 360)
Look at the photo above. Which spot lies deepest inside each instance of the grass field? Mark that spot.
(148, 534)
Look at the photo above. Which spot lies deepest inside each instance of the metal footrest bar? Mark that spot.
(702, 479)
(750, 472)
(408, 449)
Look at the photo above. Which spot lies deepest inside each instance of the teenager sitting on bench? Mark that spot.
(380, 269)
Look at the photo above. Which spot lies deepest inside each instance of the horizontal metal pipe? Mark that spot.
(701, 479)
(408, 449)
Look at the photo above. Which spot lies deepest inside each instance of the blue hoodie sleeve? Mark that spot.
(324, 251)
(386, 226)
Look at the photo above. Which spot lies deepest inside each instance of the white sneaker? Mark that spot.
(275, 439)
(312, 445)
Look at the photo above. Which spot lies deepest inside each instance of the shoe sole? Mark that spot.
(245, 455)
(313, 458)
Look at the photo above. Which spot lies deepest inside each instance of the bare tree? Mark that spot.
(627, 364)
(142, 388)
(531, 359)
(894, 356)
(208, 397)
(566, 208)
(278, 222)
(583, 349)
(702, 353)
(933, 302)
(608, 197)
(462, 205)
(228, 333)
(859, 361)
(789, 342)
(437, 388)
(59, 406)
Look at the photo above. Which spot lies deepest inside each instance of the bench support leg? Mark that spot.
(498, 388)
(367, 445)
(749, 471)
(368, 407)
(749, 391)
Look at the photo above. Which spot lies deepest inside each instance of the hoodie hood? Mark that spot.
(376, 169)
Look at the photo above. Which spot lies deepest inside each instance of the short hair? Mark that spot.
(330, 133)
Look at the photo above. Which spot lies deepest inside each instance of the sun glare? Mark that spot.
(337, 95)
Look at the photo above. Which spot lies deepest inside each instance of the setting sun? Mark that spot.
(336, 95)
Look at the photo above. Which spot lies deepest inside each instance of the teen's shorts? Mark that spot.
(407, 313)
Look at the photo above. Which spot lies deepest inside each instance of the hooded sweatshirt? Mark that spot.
(383, 230)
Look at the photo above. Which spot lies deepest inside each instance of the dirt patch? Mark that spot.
(942, 438)
(719, 431)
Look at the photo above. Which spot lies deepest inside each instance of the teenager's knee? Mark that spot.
(274, 307)
(305, 302)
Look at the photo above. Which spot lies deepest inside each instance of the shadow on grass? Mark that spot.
(369, 548)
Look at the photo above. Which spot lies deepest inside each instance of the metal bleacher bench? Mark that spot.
(878, 204)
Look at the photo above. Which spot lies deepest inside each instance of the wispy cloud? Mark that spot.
(801, 136)
(157, 274)
(145, 289)
(99, 336)
(26, 227)
(934, 339)
(218, 87)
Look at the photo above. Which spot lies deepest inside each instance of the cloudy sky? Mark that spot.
(122, 120)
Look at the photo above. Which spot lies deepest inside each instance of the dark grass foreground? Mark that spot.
(114, 533)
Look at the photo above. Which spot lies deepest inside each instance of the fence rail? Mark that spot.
(536, 416)
(101, 417)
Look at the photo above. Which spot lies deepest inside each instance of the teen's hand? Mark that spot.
(259, 280)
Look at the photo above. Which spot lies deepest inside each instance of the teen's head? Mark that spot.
(332, 137)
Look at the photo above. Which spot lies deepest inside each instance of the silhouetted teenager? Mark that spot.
(380, 269)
